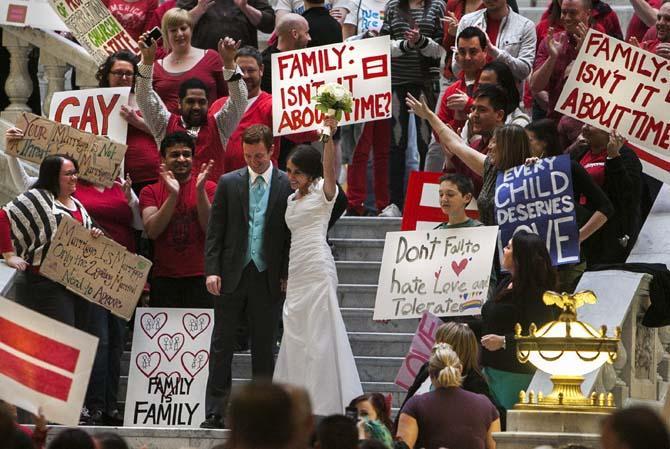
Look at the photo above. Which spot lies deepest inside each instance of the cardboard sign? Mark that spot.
(99, 270)
(169, 366)
(422, 202)
(419, 350)
(363, 67)
(538, 198)
(96, 111)
(94, 27)
(445, 272)
(34, 13)
(614, 85)
(43, 363)
(99, 158)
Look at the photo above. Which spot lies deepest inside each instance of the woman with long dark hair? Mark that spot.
(518, 299)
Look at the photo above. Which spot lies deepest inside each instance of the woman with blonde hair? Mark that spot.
(435, 419)
(184, 61)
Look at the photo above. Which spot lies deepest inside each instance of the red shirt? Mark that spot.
(458, 8)
(594, 164)
(180, 250)
(603, 18)
(133, 16)
(142, 156)
(209, 70)
(636, 27)
(650, 45)
(557, 80)
(492, 28)
(109, 209)
(207, 145)
(447, 115)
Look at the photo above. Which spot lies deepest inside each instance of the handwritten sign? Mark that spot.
(614, 85)
(96, 111)
(99, 270)
(34, 13)
(169, 367)
(419, 350)
(538, 198)
(99, 158)
(445, 272)
(94, 27)
(363, 67)
(43, 363)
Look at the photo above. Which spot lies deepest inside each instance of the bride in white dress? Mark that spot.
(315, 351)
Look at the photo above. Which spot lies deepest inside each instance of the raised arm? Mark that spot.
(157, 219)
(229, 116)
(448, 137)
(154, 112)
(547, 55)
(645, 12)
(21, 179)
(203, 205)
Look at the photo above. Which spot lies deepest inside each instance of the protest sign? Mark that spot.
(363, 67)
(538, 198)
(94, 27)
(43, 363)
(169, 366)
(96, 111)
(33, 13)
(422, 202)
(99, 158)
(614, 85)
(445, 272)
(99, 270)
(419, 350)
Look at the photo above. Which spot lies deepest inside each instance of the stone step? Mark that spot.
(364, 227)
(359, 272)
(360, 320)
(357, 295)
(357, 249)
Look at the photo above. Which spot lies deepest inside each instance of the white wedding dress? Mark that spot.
(315, 351)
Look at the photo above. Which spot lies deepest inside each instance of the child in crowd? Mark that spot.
(456, 192)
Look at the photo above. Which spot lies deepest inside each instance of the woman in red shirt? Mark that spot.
(185, 62)
(133, 15)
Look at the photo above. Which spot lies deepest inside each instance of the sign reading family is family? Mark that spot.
(169, 366)
(445, 272)
(538, 198)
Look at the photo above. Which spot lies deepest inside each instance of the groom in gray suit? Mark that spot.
(246, 263)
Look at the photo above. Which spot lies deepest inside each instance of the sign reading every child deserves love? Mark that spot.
(445, 272)
(169, 366)
(362, 67)
(538, 198)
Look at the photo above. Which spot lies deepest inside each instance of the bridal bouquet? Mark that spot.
(332, 99)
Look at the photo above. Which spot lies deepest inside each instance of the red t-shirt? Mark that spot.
(142, 156)
(109, 209)
(133, 16)
(492, 29)
(594, 164)
(650, 45)
(180, 250)
(447, 115)
(6, 245)
(209, 70)
(636, 27)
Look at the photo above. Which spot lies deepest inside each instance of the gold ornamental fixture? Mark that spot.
(567, 349)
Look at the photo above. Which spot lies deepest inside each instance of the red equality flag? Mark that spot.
(43, 363)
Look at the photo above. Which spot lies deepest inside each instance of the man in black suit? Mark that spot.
(246, 263)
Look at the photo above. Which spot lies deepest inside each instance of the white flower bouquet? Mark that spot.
(332, 99)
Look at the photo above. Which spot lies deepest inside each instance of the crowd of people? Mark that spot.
(235, 219)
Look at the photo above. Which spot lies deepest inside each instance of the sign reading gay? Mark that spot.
(96, 111)
(614, 85)
(99, 270)
(168, 367)
(445, 272)
(419, 350)
(538, 198)
(363, 67)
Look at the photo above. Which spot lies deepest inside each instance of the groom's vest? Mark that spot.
(257, 208)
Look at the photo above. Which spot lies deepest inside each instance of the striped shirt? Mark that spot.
(411, 66)
(34, 216)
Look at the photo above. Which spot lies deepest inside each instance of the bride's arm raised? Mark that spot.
(329, 175)
(448, 138)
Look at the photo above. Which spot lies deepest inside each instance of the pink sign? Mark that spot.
(419, 350)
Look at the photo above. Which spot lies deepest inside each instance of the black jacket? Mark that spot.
(225, 19)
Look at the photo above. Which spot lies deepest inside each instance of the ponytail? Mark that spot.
(445, 367)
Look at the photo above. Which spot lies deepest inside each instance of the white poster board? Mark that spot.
(33, 13)
(363, 67)
(43, 363)
(96, 111)
(445, 272)
(169, 366)
(614, 85)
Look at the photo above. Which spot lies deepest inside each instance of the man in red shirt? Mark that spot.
(175, 211)
(557, 52)
(661, 45)
(211, 133)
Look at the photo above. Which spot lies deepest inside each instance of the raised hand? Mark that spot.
(663, 50)
(13, 134)
(148, 52)
(420, 108)
(227, 50)
(127, 185)
(457, 101)
(413, 36)
(202, 176)
(200, 8)
(452, 23)
(634, 42)
(168, 178)
(330, 122)
(614, 144)
(581, 35)
(553, 45)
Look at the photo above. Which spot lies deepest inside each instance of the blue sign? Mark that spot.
(538, 198)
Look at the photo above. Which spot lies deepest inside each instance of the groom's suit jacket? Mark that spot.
(228, 230)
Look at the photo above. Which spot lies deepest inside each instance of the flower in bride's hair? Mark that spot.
(438, 346)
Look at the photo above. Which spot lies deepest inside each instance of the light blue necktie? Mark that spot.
(258, 190)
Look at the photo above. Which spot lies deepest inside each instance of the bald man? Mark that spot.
(292, 34)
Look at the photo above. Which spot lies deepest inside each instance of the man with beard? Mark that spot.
(211, 133)
(175, 211)
(661, 45)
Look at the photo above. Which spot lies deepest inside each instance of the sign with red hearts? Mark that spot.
(443, 271)
(169, 367)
